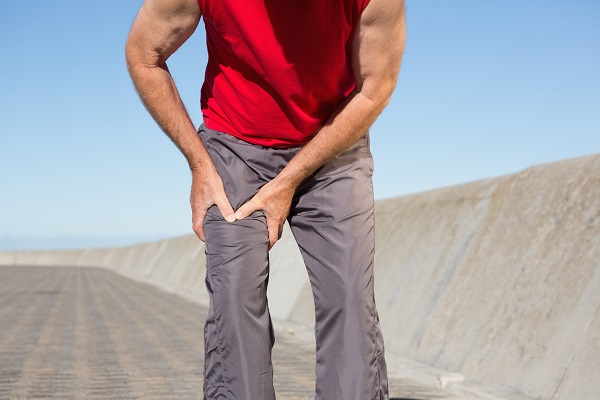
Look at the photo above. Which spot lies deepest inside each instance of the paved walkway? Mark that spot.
(89, 333)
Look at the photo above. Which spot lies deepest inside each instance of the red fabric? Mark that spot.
(276, 69)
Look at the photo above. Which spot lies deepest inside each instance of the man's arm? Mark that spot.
(159, 29)
(376, 55)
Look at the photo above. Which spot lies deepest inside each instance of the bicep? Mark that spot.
(378, 46)
(160, 28)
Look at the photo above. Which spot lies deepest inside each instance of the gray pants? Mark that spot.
(332, 221)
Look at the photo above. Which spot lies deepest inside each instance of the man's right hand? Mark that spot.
(207, 190)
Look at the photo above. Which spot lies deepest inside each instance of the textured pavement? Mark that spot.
(89, 333)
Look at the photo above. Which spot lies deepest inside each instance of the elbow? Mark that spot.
(378, 93)
(386, 93)
(139, 58)
(131, 55)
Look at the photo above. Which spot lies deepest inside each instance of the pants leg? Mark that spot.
(238, 333)
(332, 220)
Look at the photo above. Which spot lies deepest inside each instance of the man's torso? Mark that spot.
(277, 69)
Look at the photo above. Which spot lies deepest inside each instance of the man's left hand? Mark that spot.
(274, 199)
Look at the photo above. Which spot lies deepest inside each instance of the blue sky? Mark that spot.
(486, 89)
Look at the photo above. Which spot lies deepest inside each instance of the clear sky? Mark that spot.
(486, 89)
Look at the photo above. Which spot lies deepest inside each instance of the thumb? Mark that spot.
(225, 207)
(252, 205)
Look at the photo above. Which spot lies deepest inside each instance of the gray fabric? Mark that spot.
(332, 220)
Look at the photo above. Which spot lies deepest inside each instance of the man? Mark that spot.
(291, 89)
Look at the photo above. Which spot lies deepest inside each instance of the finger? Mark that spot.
(248, 208)
(275, 229)
(198, 222)
(224, 206)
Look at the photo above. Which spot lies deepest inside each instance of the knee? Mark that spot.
(345, 299)
(237, 295)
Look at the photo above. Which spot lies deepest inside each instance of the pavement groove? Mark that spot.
(75, 333)
(23, 342)
(151, 344)
(10, 301)
(53, 352)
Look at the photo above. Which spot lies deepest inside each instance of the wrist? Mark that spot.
(199, 161)
(196, 168)
(288, 180)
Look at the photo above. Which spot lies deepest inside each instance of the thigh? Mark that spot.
(333, 222)
(332, 219)
(237, 253)
(234, 161)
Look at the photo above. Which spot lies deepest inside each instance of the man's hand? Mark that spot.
(274, 199)
(207, 189)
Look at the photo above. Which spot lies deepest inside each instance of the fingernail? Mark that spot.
(230, 218)
(238, 215)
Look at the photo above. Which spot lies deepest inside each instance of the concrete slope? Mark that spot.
(496, 280)
(499, 279)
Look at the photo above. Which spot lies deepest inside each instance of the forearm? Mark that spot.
(159, 94)
(377, 50)
(159, 29)
(346, 125)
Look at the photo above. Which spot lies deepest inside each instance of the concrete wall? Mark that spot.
(505, 277)
(496, 280)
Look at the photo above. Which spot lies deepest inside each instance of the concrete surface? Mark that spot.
(489, 289)
(88, 333)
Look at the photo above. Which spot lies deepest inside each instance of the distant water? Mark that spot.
(19, 243)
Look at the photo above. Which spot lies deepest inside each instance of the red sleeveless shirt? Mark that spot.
(276, 69)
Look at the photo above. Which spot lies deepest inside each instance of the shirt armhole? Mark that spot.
(364, 5)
